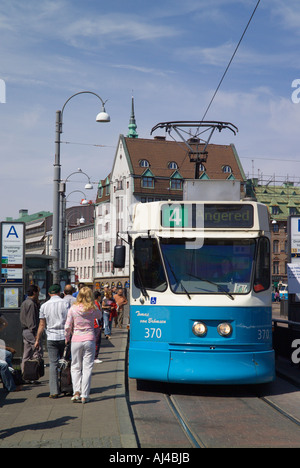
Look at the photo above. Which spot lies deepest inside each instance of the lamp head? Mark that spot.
(103, 116)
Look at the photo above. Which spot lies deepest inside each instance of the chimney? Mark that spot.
(23, 213)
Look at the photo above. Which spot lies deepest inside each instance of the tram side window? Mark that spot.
(148, 268)
(262, 270)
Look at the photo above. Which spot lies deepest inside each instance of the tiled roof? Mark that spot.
(159, 153)
(283, 198)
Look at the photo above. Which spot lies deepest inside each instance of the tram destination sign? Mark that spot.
(207, 216)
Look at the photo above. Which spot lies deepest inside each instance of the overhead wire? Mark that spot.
(229, 64)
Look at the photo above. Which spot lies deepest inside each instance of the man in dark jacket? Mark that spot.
(29, 317)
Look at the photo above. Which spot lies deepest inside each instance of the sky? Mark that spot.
(170, 55)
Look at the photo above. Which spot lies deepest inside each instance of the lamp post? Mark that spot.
(64, 246)
(62, 212)
(101, 117)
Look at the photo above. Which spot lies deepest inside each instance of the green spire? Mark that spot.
(132, 123)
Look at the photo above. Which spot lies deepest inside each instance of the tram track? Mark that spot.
(196, 434)
(280, 411)
(268, 401)
(184, 416)
(193, 438)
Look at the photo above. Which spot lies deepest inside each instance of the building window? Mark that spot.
(275, 247)
(227, 169)
(148, 182)
(144, 163)
(275, 210)
(275, 268)
(173, 165)
(176, 184)
(293, 211)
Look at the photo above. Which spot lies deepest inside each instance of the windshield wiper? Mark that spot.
(215, 284)
(142, 287)
(177, 280)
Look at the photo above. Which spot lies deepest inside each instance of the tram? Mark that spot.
(200, 305)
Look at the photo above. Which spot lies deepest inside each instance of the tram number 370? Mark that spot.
(263, 333)
(152, 333)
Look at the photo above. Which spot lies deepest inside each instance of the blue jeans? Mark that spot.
(7, 377)
(55, 353)
(107, 323)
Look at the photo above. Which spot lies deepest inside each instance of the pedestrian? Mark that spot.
(80, 285)
(98, 324)
(53, 315)
(29, 317)
(121, 301)
(6, 369)
(80, 324)
(107, 306)
(68, 295)
(3, 323)
(7, 377)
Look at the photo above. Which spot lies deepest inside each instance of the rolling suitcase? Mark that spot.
(64, 373)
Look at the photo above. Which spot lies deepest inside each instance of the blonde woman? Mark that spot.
(80, 324)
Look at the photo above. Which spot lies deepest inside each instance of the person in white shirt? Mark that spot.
(53, 316)
(69, 298)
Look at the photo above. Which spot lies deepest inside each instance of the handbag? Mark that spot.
(34, 369)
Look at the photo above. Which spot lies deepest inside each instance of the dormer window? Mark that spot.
(172, 165)
(148, 179)
(176, 181)
(227, 169)
(144, 163)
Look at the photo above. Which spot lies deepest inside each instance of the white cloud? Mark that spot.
(145, 70)
(113, 28)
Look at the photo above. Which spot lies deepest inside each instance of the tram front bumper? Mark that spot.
(205, 367)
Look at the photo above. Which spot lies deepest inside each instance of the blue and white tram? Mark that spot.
(200, 305)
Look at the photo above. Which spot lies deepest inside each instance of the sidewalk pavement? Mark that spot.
(30, 419)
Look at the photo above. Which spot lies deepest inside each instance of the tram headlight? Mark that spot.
(199, 329)
(224, 329)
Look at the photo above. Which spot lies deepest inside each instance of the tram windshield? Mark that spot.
(218, 266)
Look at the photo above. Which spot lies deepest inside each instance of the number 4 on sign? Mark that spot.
(176, 217)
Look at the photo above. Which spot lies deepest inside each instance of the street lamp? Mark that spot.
(102, 117)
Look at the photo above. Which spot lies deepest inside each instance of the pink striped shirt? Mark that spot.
(80, 323)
